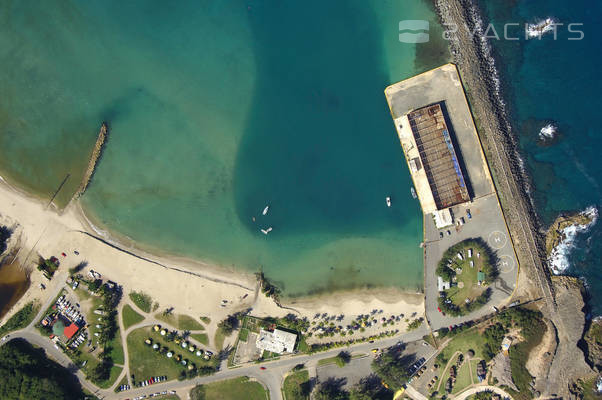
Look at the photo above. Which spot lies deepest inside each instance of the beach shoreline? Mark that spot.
(192, 287)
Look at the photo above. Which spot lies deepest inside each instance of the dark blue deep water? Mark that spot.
(557, 80)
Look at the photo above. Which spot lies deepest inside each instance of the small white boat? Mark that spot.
(413, 191)
(265, 210)
(266, 231)
(388, 201)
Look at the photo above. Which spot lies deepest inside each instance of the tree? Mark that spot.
(342, 358)
(229, 324)
(26, 373)
(332, 389)
(391, 367)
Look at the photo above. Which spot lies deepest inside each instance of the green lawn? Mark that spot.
(146, 362)
(243, 336)
(468, 277)
(201, 338)
(463, 378)
(180, 321)
(231, 389)
(95, 319)
(464, 341)
(117, 349)
(142, 300)
(115, 371)
(130, 316)
(296, 386)
(326, 361)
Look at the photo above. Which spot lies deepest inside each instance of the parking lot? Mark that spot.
(360, 367)
(486, 223)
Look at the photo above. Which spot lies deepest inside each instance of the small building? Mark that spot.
(469, 253)
(70, 330)
(460, 256)
(480, 277)
(471, 263)
(277, 341)
(442, 285)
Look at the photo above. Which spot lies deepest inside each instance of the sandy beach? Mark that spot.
(190, 287)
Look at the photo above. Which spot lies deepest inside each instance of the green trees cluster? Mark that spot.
(369, 388)
(26, 373)
(392, 368)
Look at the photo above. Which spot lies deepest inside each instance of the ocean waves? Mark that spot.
(558, 260)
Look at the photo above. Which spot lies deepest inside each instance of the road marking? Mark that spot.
(497, 239)
(506, 264)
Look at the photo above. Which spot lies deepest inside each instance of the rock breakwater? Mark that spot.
(94, 159)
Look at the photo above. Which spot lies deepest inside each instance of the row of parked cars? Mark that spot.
(154, 379)
(163, 393)
(124, 387)
(416, 366)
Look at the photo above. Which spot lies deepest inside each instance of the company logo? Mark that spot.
(418, 31)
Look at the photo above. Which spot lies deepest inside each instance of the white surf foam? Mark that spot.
(548, 132)
(558, 260)
(540, 28)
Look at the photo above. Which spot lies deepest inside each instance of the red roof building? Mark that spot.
(70, 330)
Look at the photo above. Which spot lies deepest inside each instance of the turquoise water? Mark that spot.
(217, 109)
(558, 81)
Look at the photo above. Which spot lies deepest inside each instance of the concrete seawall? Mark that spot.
(94, 158)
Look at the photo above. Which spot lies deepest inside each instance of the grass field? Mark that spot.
(130, 316)
(146, 362)
(243, 336)
(93, 319)
(115, 371)
(463, 378)
(296, 386)
(181, 322)
(142, 300)
(468, 277)
(238, 388)
(467, 340)
(201, 338)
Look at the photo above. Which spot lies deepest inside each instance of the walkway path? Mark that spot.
(478, 389)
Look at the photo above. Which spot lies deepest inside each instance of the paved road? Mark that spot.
(272, 377)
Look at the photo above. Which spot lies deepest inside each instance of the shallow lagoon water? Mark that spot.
(217, 109)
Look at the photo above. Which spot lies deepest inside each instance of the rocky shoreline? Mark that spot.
(472, 54)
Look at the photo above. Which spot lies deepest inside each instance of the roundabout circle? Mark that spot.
(497, 239)
(506, 264)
